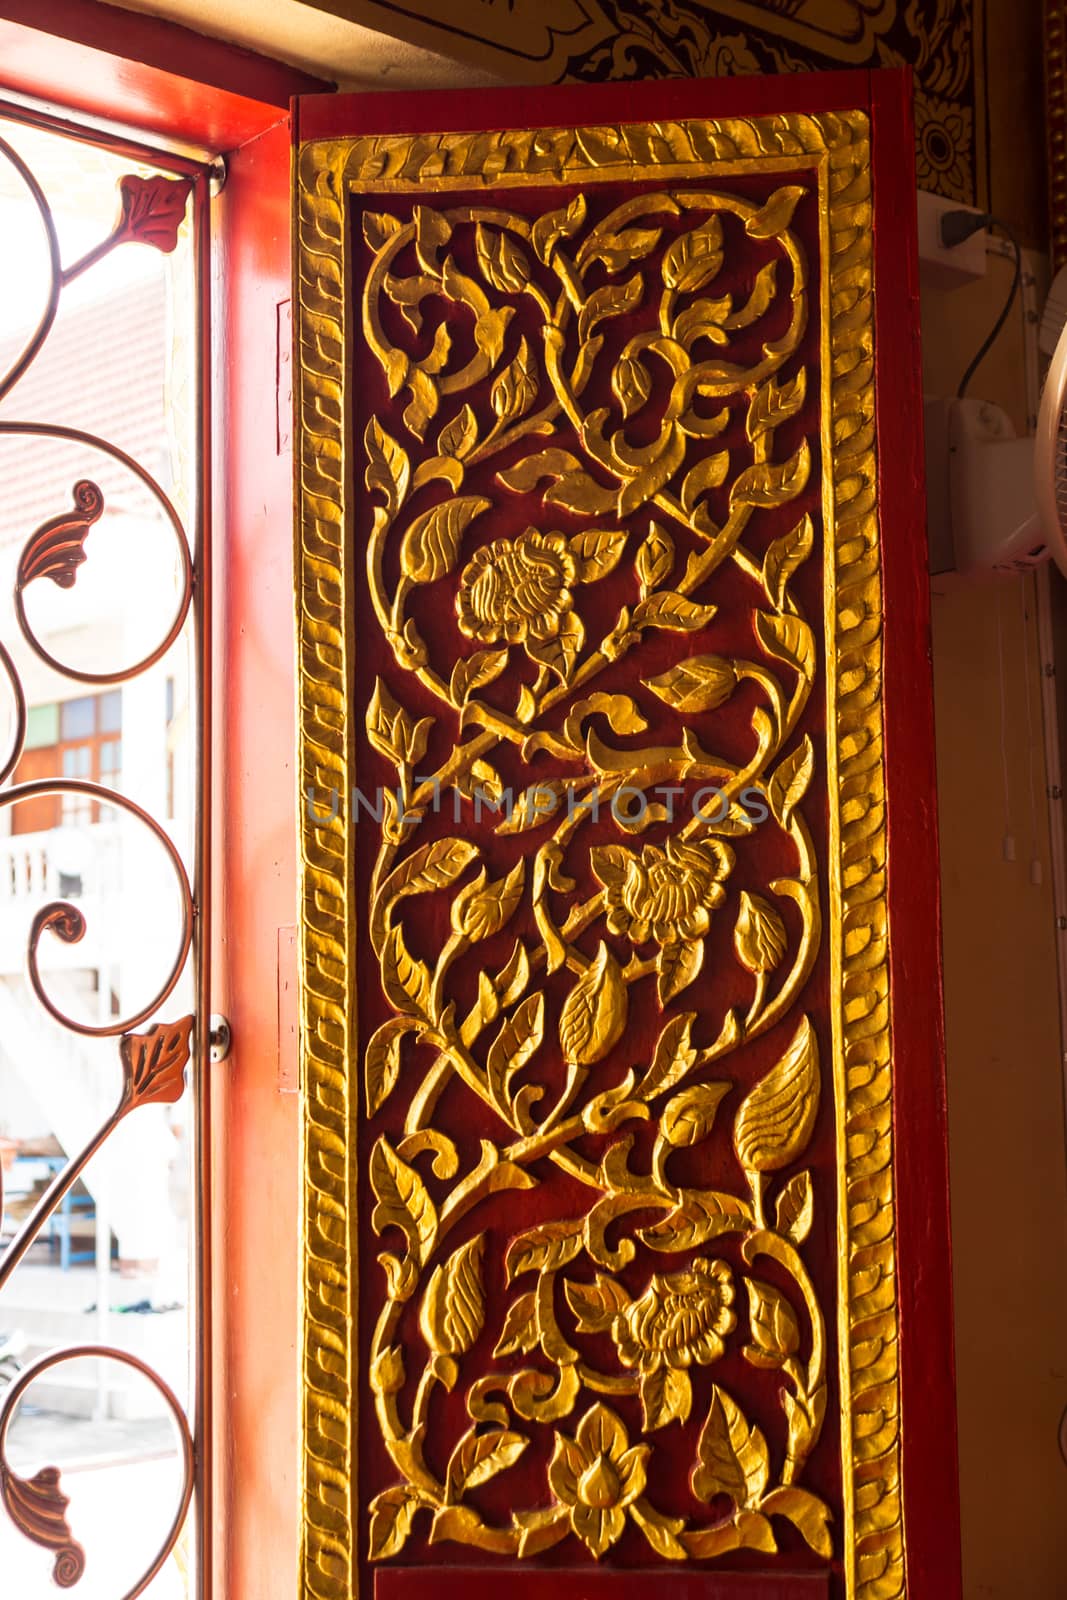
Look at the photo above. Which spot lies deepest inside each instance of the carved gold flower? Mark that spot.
(517, 589)
(680, 1319)
(665, 894)
(597, 1474)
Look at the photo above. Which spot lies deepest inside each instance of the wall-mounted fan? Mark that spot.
(1050, 445)
(1004, 497)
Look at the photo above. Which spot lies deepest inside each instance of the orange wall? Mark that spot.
(256, 1108)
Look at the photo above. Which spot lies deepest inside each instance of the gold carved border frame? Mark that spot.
(838, 147)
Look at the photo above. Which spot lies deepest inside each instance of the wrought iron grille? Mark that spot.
(156, 1053)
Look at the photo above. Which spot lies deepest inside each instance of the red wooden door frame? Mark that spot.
(137, 70)
(168, 83)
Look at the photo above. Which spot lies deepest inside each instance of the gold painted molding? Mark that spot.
(1056, 126)
(837, 148)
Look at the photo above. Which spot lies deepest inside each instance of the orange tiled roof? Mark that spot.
(103, 370)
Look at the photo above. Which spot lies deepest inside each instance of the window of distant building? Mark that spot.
(79, 738)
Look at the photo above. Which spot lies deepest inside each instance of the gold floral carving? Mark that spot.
(667, 515)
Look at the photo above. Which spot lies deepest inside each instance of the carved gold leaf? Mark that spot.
(732, 1455)
(776, 1118)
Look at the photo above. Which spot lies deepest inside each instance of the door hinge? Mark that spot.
(220, 1038)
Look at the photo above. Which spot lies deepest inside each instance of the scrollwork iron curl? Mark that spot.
(37, 1505)
(44, 327)
(88, 507)
(66, 922)
(19, 695)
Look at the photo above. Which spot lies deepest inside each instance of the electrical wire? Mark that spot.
(956, 226)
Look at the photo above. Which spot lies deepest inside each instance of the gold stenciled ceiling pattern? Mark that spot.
(596, 41)
(936, 38)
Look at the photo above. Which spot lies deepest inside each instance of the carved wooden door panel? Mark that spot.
(625, 1228)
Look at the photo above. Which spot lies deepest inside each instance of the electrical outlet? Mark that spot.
(942, 266)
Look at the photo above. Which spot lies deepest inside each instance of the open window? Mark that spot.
(209, 129)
